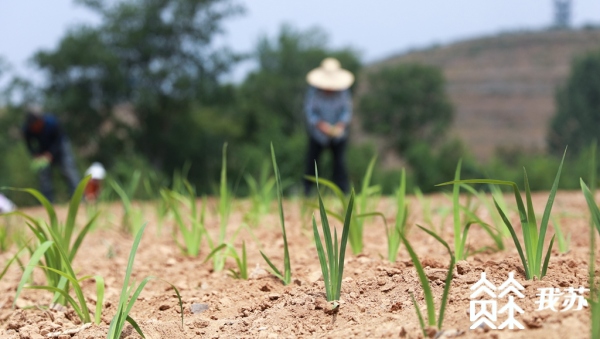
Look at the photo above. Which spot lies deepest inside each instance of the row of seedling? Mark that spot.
(53, 249)
(56, 252)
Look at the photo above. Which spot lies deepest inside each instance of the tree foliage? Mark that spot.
(577, 117)
(137, 82)
(406, 103)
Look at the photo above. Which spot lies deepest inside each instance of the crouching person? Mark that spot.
(50, 148)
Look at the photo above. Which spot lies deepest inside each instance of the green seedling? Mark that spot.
(217, 253)
(498, 196)
(592, 262)
(332, 260)
(595, 316)
(179, 189)
(471, 218)
(67, 277)
(286, 277)
(533, 239)
(130, 293)
(261, 193)
(241, 262)
(60, 235)
(431, 319)
(393, 235)
(458, 241)
(131, 216)
(460, 232)
(357, 222)
(594, 298)
(562, 241)
(12, 259)
(426, 209)
(192, 227)
(224, 211)
(366, 193)
(5, 239)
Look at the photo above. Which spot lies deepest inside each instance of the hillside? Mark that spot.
(503, 86)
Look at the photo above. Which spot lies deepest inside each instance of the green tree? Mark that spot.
(140, 81)
(406, 104)
(577, 117)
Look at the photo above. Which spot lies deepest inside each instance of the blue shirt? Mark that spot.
(49, 139)
(331, 107)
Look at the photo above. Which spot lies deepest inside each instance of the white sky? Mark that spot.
(378, 28)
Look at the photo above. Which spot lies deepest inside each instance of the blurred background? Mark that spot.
(160, 85)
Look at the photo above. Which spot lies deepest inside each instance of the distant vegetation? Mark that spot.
(142, 90)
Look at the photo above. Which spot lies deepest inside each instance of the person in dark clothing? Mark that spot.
(49, 147)
(328, 109)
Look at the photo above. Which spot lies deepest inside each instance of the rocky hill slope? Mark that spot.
(503, 86)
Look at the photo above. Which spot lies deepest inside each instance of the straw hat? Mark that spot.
(330, 76)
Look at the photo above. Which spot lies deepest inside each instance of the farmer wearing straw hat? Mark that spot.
(328, 109)
(49, 147)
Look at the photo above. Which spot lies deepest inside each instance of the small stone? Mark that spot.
(436, 273)
(21, 304)
(397, 306)
(452, 333)
(171, 262)
(387, 288)
(13, 326)
(431, 332)
(463, 267)
(364, 260)
(225, 301)
(402, 332)
(201, 323)
(315, 276)
(390, 271)
(198, 308)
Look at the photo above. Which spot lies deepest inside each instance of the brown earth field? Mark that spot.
(375, 300)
